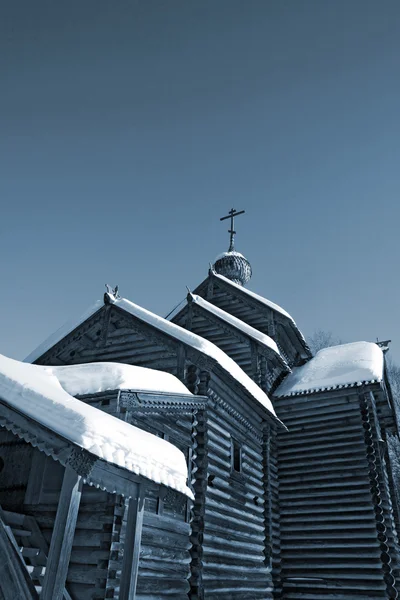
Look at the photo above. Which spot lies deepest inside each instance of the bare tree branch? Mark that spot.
(322, 339)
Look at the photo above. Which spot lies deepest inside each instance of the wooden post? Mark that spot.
(130, 565)
(63, 536)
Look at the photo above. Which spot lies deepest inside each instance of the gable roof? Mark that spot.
(61, 332)
(343, 366)
(175, 331)
(261, 299)
(198, 343)
(249, 331)
(262, 302)
(40, 393)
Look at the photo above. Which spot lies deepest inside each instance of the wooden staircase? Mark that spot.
(26, 537)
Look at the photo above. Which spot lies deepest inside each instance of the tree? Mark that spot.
(393, 372)
(322, 339)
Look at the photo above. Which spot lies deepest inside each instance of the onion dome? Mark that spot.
(233, 266)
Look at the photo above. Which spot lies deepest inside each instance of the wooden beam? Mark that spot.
(63, 536)
(130, 565)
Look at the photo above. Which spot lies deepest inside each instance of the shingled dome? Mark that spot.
(233, 266)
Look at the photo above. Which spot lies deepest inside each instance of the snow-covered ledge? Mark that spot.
(44, 394)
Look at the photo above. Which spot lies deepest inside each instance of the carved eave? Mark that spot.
(132, 399)
(386, 407)
(149, 401)
(94, 470)
(245, 397)
(384, 402)
(246, 425)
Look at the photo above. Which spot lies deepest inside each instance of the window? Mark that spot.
(236, 458)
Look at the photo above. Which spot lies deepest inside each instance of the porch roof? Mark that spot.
(36, 406)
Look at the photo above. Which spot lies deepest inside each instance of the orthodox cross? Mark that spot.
(232, 214)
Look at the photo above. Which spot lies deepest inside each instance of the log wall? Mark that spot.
(337, 537)
(234, 561)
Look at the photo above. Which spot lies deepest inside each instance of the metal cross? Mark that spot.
(232, 214)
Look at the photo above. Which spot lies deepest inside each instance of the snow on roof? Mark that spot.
(335, 367)
(200, 344)
(268, 303)
(228, 253)
(176, 331)
(40, 393)
(92, 378)
(235, 322)
(64, 330)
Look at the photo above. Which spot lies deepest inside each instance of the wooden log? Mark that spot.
(63, 536)
(130, 566)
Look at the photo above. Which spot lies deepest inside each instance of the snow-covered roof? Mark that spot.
(200, 344)
(175, 331)
(341, 366)
(44, 394)
(268, 303)
(92, 378)
(262, 338)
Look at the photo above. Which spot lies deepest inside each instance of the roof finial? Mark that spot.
(112, 291)
(232, 214)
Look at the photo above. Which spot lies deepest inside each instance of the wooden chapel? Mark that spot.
(287, 453)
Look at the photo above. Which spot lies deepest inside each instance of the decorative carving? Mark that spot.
(376, 493)
(8, 421)
(189, 313)
(200, 360)
(105, 326)
(138, 401)
(235, 414)
(210, 288)
(192, 379)
(204, 381)
(199, 467)
(129, 400)
(112, 291)
(81, 462)
(272, 544)
(264, 383)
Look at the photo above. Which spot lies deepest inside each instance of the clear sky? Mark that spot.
(127, 129)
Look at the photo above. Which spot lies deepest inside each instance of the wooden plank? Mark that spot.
(63, 536)
(15, 583)
(130, 565)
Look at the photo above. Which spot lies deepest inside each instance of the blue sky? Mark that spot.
(129, 128)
